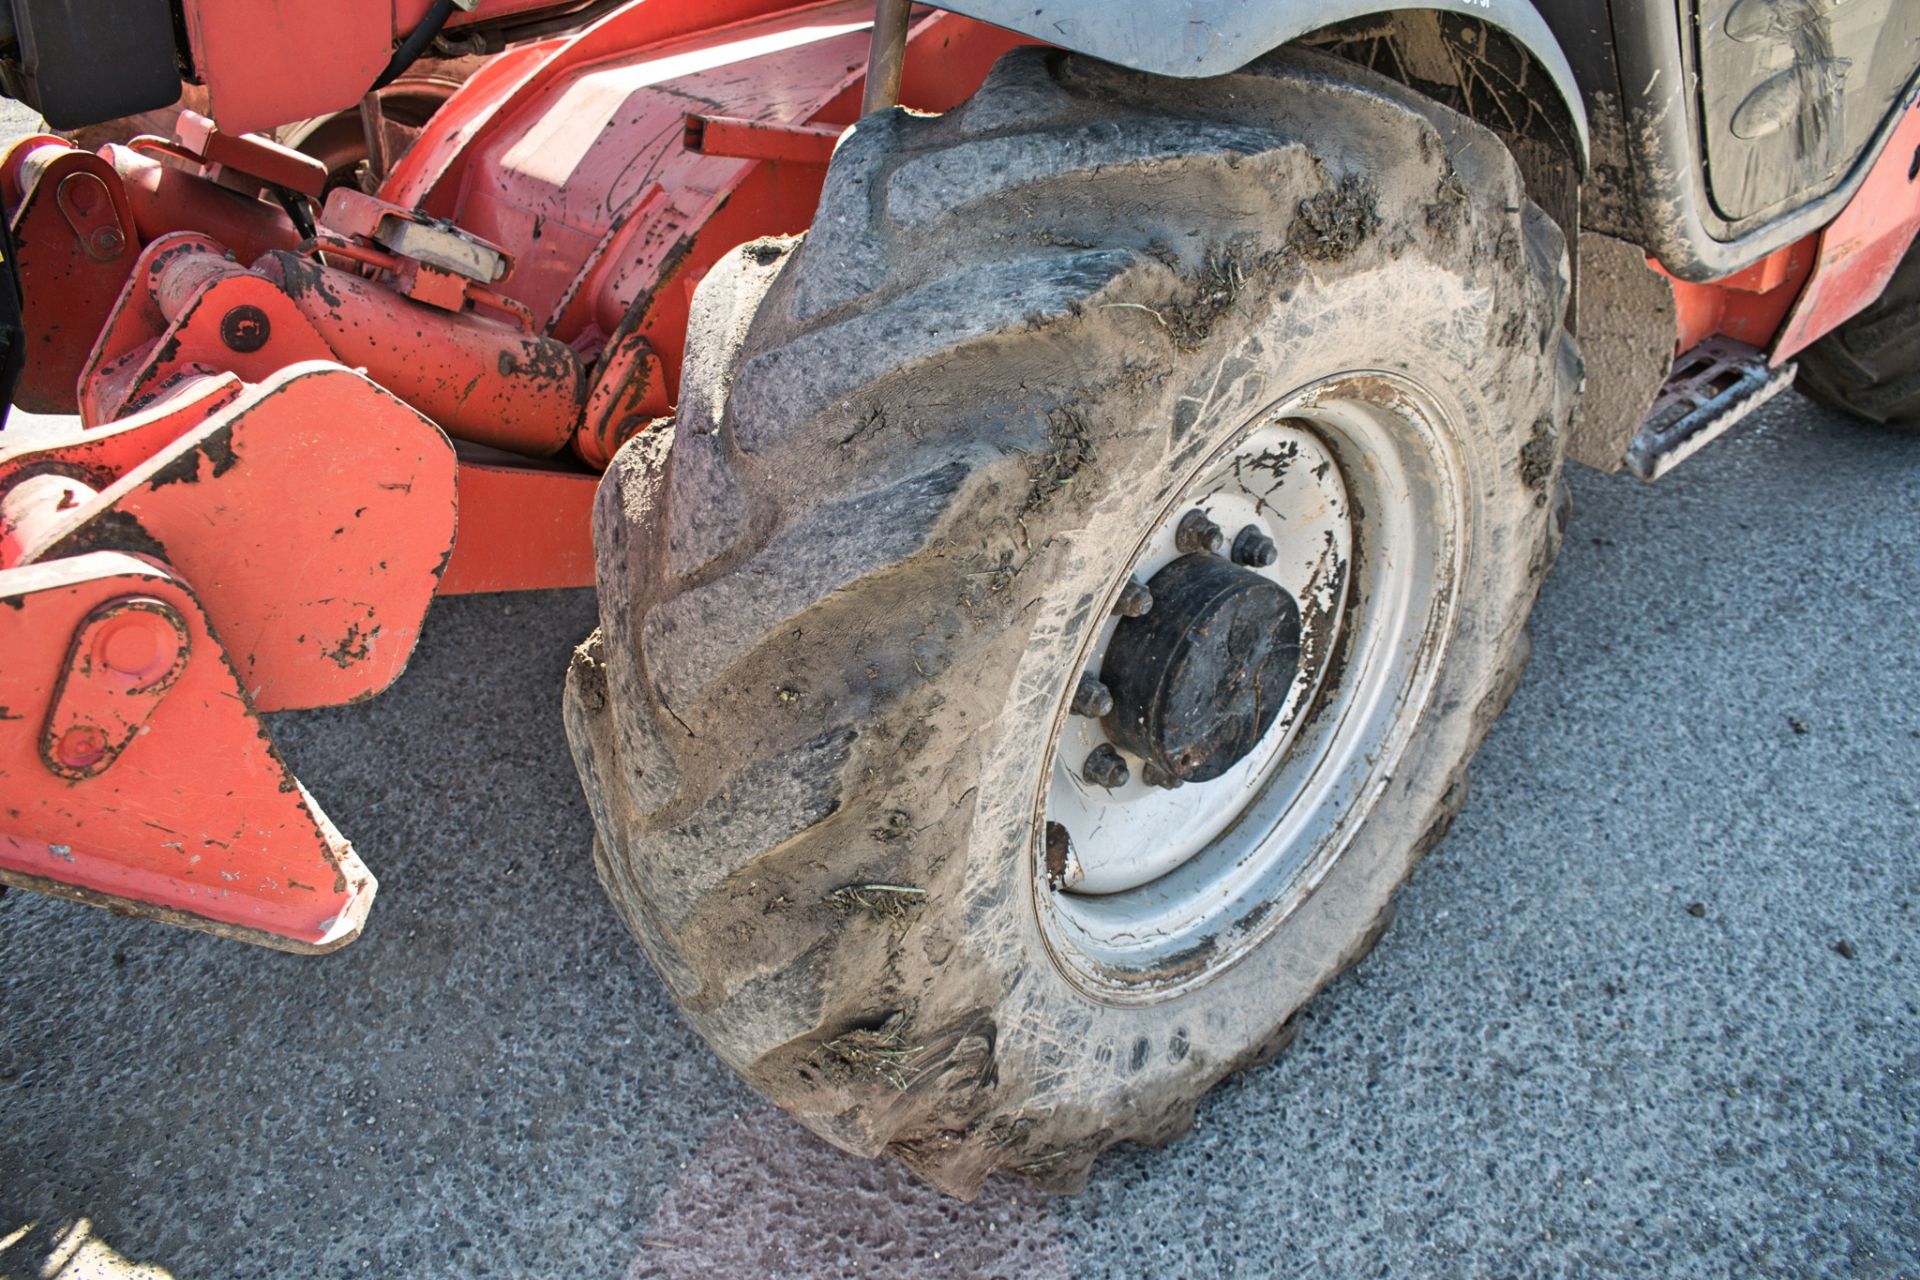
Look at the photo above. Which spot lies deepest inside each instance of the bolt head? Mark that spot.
(139, 649)
(130, 650)
(1196, 532)
(1091, 698)
(1135, 601)
(81, 747)
(1253, 548)
(1154, 776)
(1106, 767)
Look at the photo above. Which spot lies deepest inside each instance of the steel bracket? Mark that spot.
(240, 162)
(432, 242)
(314, 511)
(75, 242)
(198, 821)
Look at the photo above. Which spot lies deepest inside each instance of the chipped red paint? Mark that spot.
(481, 377)
(321, 603)
(1860, 248)
(74, 272)
(168, 322)
(166, 197)
(134, 768)
(70, 278)
(196, 819)
(296, 515)
(574, 156)
(126, 655)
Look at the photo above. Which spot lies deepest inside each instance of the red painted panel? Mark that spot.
(522, 528)
(271, 62)
(1860, 249)
(1747, 305)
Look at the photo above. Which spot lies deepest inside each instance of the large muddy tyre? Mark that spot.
(1870, 365)
(922, 464)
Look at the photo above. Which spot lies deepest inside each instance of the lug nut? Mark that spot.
(1135, 601)
(1197, 533)
(1253, 548)
(1154, 776)
(1091, 698)
(1106, 767)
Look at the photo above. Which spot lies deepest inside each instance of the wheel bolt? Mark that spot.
(1154, 776)
(1197, 533)
(1254, 548)
(1135, 601)
(1091, 698)
(1106, 767)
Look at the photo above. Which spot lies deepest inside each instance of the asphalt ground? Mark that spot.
(1650, 1010)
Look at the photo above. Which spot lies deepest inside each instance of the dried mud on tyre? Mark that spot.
(841, 601)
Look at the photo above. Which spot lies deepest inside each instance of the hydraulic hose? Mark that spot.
(416, 43)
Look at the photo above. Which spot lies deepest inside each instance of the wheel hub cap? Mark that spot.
(1199, 680)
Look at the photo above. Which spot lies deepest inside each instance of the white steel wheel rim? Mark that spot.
(1359, 488)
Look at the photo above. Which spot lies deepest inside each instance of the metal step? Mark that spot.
(1711, 388)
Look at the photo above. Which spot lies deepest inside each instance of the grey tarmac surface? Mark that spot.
(1651, 1010)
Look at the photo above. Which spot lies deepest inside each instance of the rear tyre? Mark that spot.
(827, 728)
(1870, 365)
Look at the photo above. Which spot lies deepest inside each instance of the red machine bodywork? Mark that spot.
(319, 605)
(1748, 305)
(198, 820)
(1860, 249)
(575, 158)
(265, 420)
(268, 62)
(141, 783)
